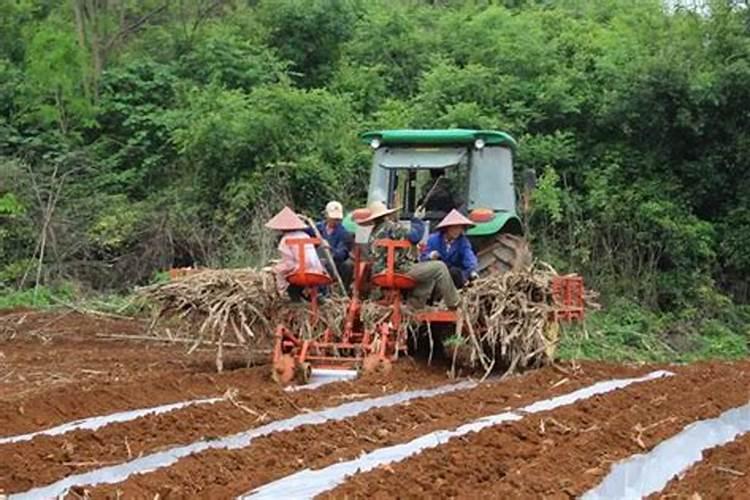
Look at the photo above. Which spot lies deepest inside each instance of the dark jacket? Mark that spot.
(340, 240)
(444, 198)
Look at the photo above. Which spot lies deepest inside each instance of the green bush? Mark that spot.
(629, 332)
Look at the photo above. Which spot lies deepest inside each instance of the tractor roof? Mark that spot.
(440, 136)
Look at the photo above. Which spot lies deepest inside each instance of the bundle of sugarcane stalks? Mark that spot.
(236, 307)
(234, 304)
(506, 322)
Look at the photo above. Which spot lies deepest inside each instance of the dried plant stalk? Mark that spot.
(505, 320)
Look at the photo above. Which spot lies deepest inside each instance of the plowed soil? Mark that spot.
(54, 368)
(142, 375)
(48, 458)
(563, 452)
(225, 474)
(723, 473)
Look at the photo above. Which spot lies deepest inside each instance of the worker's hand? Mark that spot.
(420, 212)
(473, 276)
(434, 255)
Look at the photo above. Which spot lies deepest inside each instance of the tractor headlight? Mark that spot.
(479, 143)
(375, 143)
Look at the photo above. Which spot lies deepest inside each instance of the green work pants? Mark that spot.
(433, 277)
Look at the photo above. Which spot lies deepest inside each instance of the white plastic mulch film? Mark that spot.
(322, 376)
(309, 483)
(148, 463)
(644, 474)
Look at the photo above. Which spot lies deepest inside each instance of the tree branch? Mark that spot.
(132, 28)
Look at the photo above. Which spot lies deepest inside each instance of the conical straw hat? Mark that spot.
(286, 220)
(454, 218)
(377, 210)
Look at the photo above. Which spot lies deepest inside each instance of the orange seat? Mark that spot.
(302, 277)
(309, 279)
(390, 279)
(394, 281)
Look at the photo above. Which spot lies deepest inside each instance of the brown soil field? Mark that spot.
(225, 474)
(144, 375)
(723, 473)
(563, 452)
(56, 367)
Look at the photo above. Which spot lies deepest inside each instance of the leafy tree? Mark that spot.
(180, 126)
(309, 34)
(52, 91)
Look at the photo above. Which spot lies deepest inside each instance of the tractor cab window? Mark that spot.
(412, 176)
(444, 190)
(439, 190)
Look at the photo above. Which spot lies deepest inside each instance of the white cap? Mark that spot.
(334, 210)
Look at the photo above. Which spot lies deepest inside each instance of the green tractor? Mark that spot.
(471, 170)
(435, 170)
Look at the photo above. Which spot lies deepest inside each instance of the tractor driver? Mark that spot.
(432, 277)
(338, 240)
(449, 244)
(443, 197)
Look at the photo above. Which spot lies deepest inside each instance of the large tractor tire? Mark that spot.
(501, 253)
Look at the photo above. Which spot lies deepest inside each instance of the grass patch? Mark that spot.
(67, 294)
(40, 297)
(123, 305)
(626, 332)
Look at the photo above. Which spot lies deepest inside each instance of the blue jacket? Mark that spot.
(340, 240)
(459, 255)
(416, 232)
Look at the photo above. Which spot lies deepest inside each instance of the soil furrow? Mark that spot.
(54, 370)
(564, 452)
(724, 472)
(72, 402)
(43, 350)
(46, 459)
(225, 474)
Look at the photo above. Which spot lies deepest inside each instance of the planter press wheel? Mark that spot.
(551, 338)
(284, 369)
(374, 364)
(302, 373)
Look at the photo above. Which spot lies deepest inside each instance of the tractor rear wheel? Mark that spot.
(502, 253)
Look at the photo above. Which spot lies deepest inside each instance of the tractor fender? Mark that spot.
(502, 222)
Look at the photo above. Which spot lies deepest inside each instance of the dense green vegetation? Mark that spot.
(136, 135)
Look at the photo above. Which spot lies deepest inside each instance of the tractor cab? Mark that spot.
(469, 170)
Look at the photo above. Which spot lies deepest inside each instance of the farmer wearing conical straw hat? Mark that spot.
(291, 227)
(449, 244)
(432, 278)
